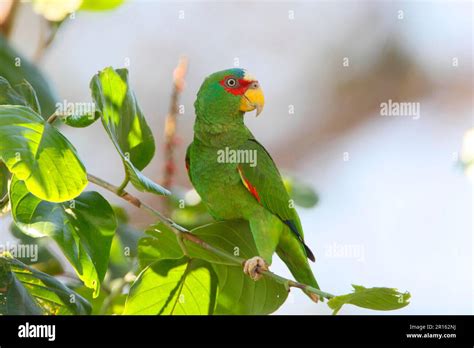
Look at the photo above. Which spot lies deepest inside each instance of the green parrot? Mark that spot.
(237, 178)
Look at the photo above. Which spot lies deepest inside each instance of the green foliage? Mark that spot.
(24, 94)
(80, 121)
(29, 95)
(83, 228)
(382, 299)
(37, 153)
(45, 260)
(126, 126)
(16, 69)
(122, 117)
(119, 264)
(238, 294)
(160, 243)
(8, 95)
(128, 235)
(174, 287)
(96, 302)
(189, 210)
(233, 237)
(24, 290)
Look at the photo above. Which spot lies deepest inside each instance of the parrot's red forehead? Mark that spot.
(240, 86)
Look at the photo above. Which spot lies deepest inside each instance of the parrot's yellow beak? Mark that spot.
(253, 98)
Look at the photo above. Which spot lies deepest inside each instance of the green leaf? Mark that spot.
(37, 153)
(232, 236)
(8, 95)
(43, 260)
(301, 193)
(141, 182)
(15, 69)
(26, 291)
(193, 214)
(100, 5)
(160, 244)
(80, 121)
(29, 95)
(24, 94)
(83, 228)
(78, 115)
(129, 236)
(112, 303)
(96, 302)
(240, 295)
(122, 117)
(382, 299)
(173, 287)
(119, 262)
(124, 122)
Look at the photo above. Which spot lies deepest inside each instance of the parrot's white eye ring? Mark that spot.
(231, 82)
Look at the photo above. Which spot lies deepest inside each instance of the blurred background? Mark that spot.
(395, 201)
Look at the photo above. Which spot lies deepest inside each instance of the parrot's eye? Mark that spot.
(231, 82)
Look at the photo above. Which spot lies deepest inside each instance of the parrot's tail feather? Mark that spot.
(294, 229)
(309, 253)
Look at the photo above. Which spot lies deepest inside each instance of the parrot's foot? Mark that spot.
(254, 266)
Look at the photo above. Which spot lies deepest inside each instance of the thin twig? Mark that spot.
(124, 183)
(171, 122)
(184, 233)
(52, 118)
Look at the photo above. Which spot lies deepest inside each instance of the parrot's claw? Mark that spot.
(254, 266)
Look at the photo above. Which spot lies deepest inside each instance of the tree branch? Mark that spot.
(51, 119)
(171, 120)
(183, 233)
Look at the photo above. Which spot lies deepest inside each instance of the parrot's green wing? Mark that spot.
(263, 180)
